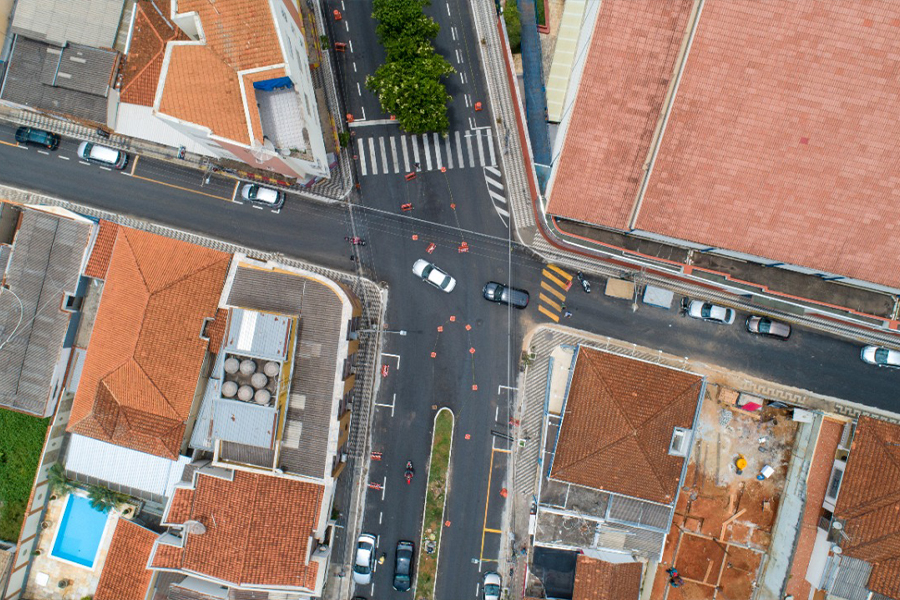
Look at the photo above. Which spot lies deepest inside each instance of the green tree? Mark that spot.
(59, 483)
(412, 91)
(513, 25)
(399, 19)
(104, 499)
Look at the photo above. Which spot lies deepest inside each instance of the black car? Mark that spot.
(403, 566)
(501, 294)
(30, 135)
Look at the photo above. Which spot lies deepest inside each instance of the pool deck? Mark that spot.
(83, 580)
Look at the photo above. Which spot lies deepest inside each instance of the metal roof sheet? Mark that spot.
(257, 334)
(90, 22)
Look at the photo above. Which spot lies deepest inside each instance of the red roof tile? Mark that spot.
(258, 529)
(869, 500)
(780, 142)
(178, 510)
(626, 74)
(619, 418)
(147, 50)
(98, 262)
(145, 353)
(125, 575)
(600, 580)
(215, 331)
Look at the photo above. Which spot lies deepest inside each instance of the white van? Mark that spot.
(102, 155)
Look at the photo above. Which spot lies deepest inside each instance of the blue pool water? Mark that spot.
(79, 533)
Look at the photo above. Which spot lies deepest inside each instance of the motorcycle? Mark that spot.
(355, 241)
(585, 284)
(409, 472)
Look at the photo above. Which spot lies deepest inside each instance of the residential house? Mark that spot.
(42, 253)
(227, 79)
(669, 129)
(617, 452)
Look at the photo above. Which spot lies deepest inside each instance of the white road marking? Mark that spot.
(362, 157)
(405, 153)
(354, 67)
(394, 154)
(372, 160)
(351, 49)
(448, 10)
(347, 26)
(480, 148)
(363, 109)
(448, 148)
(493, 182)
(44, 152)
(415, 144)
(468, 103)
(426, 151)
(383, 487)
(453, 33)
(397, 356)
(493, 170)
(459, 153)
(384, 160)
(84, 163)
(106, 168)
(458, 58)
(358, 89)
(462, 77)
(437, 150)
(342, 5)
(490, 140)
(469, 147)
(64, 157)
(380, 515)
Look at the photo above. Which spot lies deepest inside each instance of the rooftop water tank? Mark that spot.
(229, 389)
(245, 393)
(248, 367)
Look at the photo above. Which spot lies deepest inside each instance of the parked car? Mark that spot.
(364, 561)
(490, 588)
(883, 357)
(766, 326)
(501, 294)
(403, 566)
(699, 309)
(433, 275)
(102, 155)
(262, 196)
(39, 137)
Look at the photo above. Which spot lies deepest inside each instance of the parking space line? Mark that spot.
(548, 313)
(134, 164)
(552, 290)
(560, 271)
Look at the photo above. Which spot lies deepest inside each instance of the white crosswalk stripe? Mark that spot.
(492, 179)
(383, 157)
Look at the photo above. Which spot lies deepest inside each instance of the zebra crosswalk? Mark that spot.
(385, 155)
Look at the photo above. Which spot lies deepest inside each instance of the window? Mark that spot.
(681, 437)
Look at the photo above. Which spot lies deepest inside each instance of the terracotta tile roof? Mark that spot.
(147, 51)
(215, 331)
(869, 500)
(98, 262)
(125, 575)
(781, 140)
(178, 509)
(619, 419)
(202, 83)
(258, 529)
(626, 74)
(145, 353)
(600, 580)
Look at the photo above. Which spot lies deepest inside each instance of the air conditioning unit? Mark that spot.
(681, 438)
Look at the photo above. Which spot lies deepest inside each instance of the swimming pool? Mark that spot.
(79, 532)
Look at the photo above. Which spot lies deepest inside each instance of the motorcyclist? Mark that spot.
(409, 471)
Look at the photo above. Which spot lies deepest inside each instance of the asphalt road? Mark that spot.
(177, 196)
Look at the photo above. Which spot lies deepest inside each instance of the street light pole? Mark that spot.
(397, 331)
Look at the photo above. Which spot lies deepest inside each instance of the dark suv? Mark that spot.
(403, 566)
(501, 294)
(30, 135)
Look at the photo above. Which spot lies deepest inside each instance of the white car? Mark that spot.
(433, 275)
(364, 561)
(699, 309)
(490, 589)
(883, 357)
(262, 196)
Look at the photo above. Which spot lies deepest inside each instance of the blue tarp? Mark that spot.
(273, 84)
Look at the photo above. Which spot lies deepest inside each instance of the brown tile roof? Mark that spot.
(147, 51)
(178, 509)
(600, 580)
(202, 80)
(215, 331)
(258, 529)
(618, 425)
(780, 143)
(145, 352)
(629, 64)
(98, 262)
(125, 574)
(869, 500)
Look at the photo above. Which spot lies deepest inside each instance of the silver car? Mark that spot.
(490, 588)
(262, 196)
(433, 275)
(706, 311)
(883, 357)
(766, 326)
(364, 561)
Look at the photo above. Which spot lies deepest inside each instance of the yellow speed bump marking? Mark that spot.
(555, 279)
(546, 299)
(565, 275)
(552, 290)
(548, 313)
